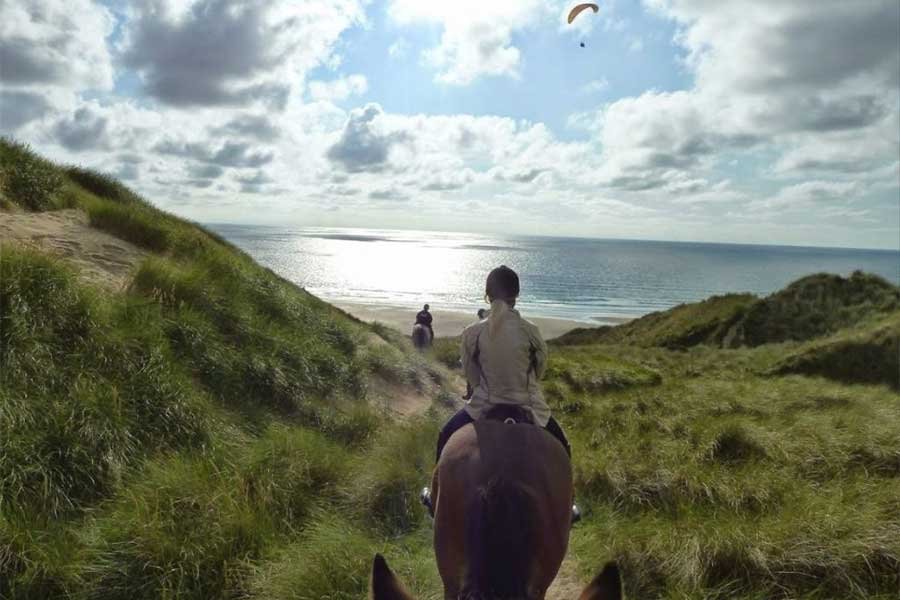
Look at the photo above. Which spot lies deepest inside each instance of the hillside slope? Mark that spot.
(175, 426)
(808, 308)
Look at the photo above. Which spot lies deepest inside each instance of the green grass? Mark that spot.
(817, 305)
(810, 307)
(209, 432)
(867, 354)
(28, 180)
(739, 484)
(170, 440)
(707, 322)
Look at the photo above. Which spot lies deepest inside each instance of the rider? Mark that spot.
(503, 358)
(423, 317)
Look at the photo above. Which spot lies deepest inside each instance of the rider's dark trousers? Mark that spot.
(462, 418)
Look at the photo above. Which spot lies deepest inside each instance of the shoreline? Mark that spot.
(450, 323)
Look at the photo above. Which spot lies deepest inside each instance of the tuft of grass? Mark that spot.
(385, 482)
(445, 350)
(27, 179)
(734, 444)
(85, 392)
(183, 530)
(234, 331)
(817, 305)
(288, 470)
(101, 185)
(868, 354)
(707, 322)
(331, 562)
(132, 223)
(38, 562)
(808, 308)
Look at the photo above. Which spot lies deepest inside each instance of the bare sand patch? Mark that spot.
(98, 258)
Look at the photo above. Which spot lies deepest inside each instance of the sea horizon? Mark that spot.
(591, 280)
(213, 225)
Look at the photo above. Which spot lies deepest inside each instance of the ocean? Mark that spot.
(590, 280)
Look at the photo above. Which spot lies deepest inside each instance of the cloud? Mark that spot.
(128, 172)
(595, 86)
(229, 154)
(18, 108)
(253, 184)
(342, 190)
(364, 145)
(447, 182)
(219, 52)
(205, 171)
(85, 130)
(524, 176)
(811, 195)
(56, 43)
(258, 127)
(338, 89)
(389, 193)
(476, 39)
(800, 78)
(398, 49)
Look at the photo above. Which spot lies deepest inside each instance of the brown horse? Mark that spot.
(421, 336)
(502, 495)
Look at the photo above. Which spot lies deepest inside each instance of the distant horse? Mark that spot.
(502, 495)
(421, 336)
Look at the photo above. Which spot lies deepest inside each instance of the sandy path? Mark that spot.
(98, 257)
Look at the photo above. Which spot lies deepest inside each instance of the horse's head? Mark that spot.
(384, 585)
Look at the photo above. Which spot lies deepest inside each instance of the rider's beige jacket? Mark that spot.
(503, 362)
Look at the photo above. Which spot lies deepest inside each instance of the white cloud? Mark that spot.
(338, 89)
(811, 194)
(218, 52)
(60, 43)
(596, 86)
(398, 49)
(814, 82)
(476, 40)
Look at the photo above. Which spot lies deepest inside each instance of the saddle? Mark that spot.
(508, 413)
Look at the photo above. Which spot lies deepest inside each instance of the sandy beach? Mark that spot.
(451, 323)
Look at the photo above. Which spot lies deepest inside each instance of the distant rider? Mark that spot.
(423, 317)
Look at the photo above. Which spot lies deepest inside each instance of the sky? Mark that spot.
(750, 121)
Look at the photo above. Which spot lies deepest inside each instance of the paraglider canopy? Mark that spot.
(579, 8)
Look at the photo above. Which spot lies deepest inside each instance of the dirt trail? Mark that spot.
(98, 257)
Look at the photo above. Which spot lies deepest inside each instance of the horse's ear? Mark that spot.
(605, 586)
(384, 584)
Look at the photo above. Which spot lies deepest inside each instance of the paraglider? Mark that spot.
(578, 9)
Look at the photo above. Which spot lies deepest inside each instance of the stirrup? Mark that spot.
(425, 499)
(576, 513)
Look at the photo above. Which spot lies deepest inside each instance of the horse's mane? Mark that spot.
(500, 538)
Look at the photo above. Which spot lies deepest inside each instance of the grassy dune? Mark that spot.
(214, 431)
(186, 437)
